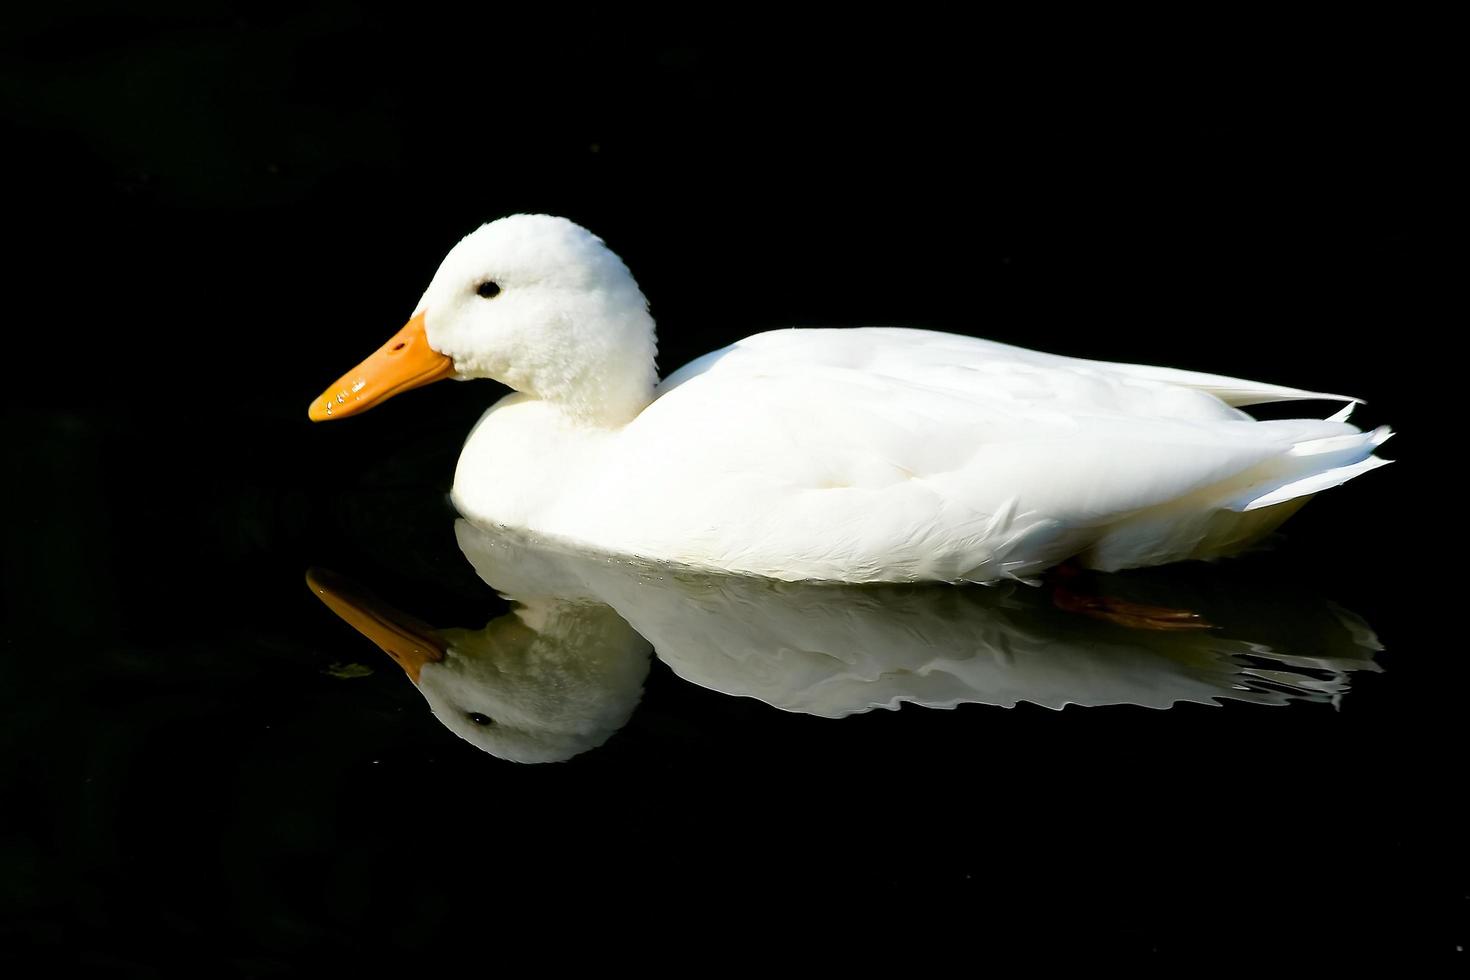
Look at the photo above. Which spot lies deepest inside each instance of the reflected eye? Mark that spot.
(488, 290)
(484, 721)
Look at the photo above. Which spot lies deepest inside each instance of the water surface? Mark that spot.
(202, 755)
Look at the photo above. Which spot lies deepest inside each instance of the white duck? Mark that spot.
(866, 454)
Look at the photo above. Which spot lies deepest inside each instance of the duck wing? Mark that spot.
(903, 350)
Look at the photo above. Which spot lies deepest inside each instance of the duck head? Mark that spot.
(535, 302)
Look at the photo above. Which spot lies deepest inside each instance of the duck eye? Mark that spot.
(479, 719)
(488, 290)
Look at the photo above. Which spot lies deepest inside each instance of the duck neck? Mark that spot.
(602, 379)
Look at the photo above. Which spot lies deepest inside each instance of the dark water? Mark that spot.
(206, 771)
(203, 761)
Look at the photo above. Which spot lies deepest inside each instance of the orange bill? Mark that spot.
(405, 361)
(409, 641)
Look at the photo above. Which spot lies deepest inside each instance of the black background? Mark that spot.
(214, 211)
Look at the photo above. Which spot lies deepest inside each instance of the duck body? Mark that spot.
(884, 454)
(858, 455)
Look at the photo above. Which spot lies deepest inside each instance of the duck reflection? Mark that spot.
(564, 669)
